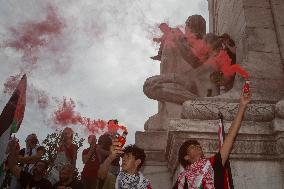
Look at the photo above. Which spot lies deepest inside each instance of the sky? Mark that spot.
(94, 52)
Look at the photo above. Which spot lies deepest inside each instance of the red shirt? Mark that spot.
(91, 167)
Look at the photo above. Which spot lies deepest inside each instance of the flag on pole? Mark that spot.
(12, 116)
(228, 180)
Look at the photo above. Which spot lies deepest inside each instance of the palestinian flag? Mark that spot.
(12, 115)
(228, 180)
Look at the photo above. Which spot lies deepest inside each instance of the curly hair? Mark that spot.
(137, 152)
(183, 152)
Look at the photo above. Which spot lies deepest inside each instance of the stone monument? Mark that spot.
(257, 159)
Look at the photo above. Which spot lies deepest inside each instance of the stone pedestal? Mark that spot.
(257, 159)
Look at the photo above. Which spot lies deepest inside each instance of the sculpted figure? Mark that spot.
(183, 74)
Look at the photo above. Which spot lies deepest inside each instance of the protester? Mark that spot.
(132, 160)
(28, 180)
(66, 154)
(91, 167)
(31, 154)
(201, 172)
(67, 180)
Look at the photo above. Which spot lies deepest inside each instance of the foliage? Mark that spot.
(52, 142)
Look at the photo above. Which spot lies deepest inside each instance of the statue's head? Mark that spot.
(196, 24)
(213, 41)
(164, 27)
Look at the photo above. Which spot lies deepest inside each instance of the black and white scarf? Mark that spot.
(127, 181)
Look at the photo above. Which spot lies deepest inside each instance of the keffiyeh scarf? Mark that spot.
(197, 175)
(127, 181)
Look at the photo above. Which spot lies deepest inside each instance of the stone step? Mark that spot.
(208, 109)
(156, 156)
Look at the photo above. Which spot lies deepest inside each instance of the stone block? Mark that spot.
(280, 31)
(279, 108)
(151, 140)
(262, 40)
(256, 174)
(264, 89)
(157, 122)
(159, 176)
(256, 3)
(278, 7)
(211, 126)
(258, 17)
(263, 65)
(157, 156)
(237, 24)
(209, 109)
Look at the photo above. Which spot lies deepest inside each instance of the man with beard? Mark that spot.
(67, 180)
(35, 179)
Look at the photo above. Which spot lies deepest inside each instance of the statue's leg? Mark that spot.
(167, 88)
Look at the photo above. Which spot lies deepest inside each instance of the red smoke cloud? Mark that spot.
(221, 61)
(11, 83)
(66, 115)
(201, 50)
(40, 97)
(34, 35)
(28, 38)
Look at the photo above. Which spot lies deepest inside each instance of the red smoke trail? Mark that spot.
(202, 51)
(225, 65)
(32, 36)
(38, 96)
(221, 61)
(66, 115)
(11, 83)
(199, 48)
(113, 127)
(28, 38)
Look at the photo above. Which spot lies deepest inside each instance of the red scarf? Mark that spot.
(200, 172)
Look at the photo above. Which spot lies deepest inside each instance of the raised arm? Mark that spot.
(116, 150)
(87, 156)
(234, 129)
(12, 159)
(34, 158)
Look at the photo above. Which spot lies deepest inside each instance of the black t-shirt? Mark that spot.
(26, 179)
(74, 185)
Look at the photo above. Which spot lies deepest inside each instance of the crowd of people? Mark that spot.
(26, 168)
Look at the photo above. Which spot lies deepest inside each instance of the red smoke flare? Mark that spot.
(112, 127)
(223, 62)
(66, 115)
(201, 50)
(38, 96)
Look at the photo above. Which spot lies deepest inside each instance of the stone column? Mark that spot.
(253, 25)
